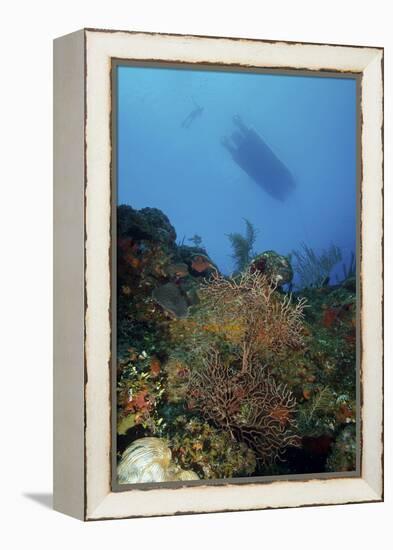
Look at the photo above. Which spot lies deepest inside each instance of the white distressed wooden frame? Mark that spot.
(82, 108)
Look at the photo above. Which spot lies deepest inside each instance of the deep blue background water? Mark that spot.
(309, 123)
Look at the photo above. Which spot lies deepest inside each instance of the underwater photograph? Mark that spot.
(236, 320)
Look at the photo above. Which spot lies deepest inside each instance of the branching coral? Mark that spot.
(247, 403)
(252, 315)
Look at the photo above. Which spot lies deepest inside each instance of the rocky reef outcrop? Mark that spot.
(276, 267)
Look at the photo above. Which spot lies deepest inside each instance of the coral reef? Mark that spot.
(343, 455)
(211, 453)
(196, 255)
(277, 268)
(201, 264)
(318, 405)
(171, 299)
(139, 392)
(177, 379)
(235, 375)
(145, 224)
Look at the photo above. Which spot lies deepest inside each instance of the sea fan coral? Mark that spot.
(247, 403)
(266, 322)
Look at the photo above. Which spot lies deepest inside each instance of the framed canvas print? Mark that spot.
(218, 274)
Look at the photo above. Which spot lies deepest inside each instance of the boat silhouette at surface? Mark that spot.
(260, 163)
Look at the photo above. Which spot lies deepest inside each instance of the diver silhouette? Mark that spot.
(192, 116)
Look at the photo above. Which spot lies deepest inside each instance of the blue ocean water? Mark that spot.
(309, 122)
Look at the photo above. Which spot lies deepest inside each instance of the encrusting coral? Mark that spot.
(343, 455)
(210, 452)
(170, 298)
(139, 392)
(177, 379)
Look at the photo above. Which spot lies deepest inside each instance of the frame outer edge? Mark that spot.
(68, 298)
(372, 269)
(102, 503)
